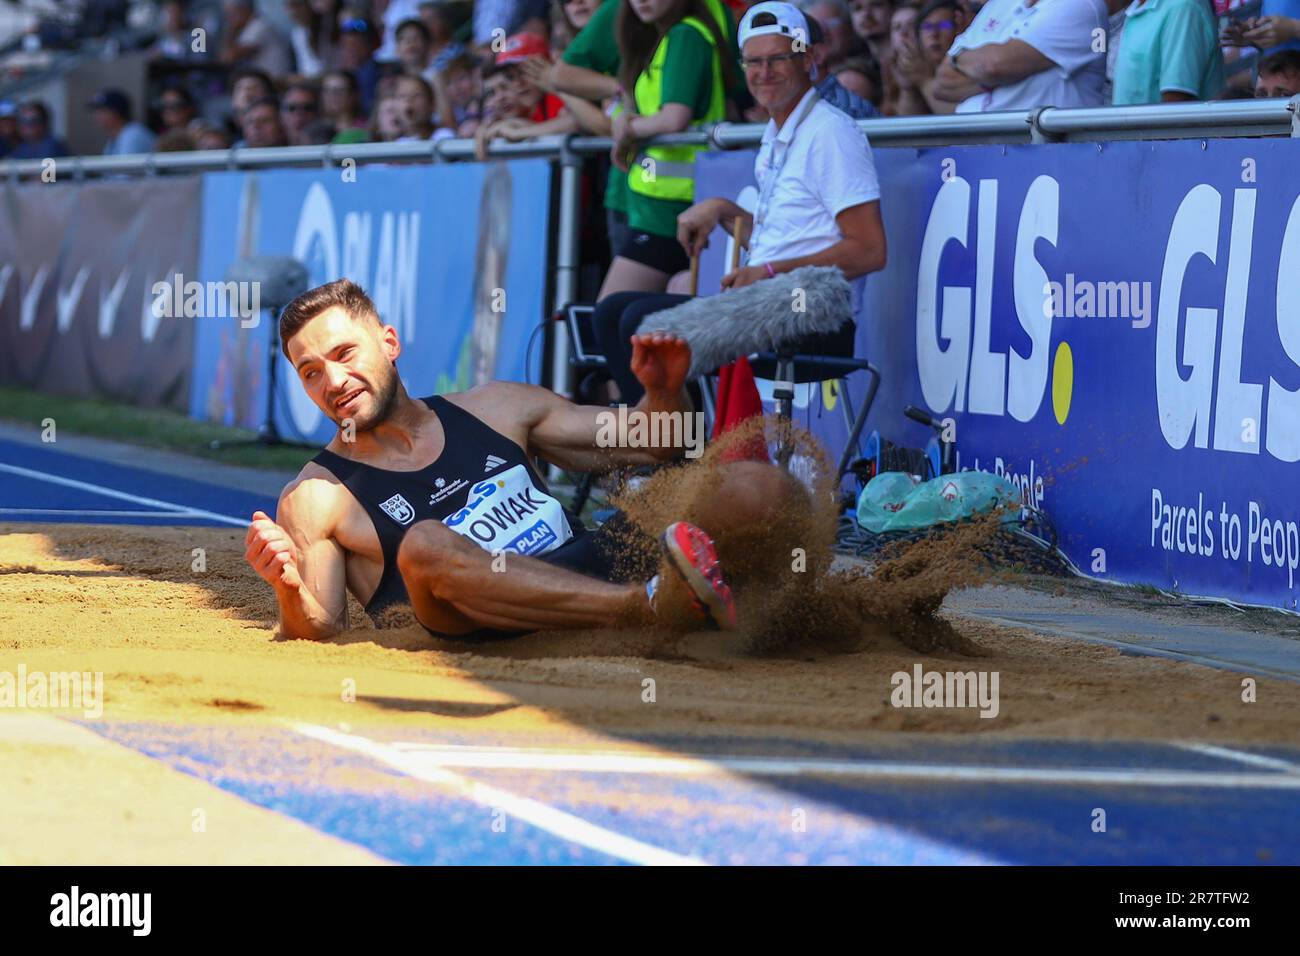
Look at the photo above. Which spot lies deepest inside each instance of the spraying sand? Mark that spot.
(789, 595)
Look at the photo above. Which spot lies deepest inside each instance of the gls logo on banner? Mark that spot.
(1185, 402)
(967, 375)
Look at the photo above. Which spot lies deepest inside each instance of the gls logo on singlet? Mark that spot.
(508, 513)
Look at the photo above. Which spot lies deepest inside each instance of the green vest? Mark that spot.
(668, 172)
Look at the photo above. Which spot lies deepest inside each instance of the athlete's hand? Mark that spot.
(271, 552)
(660, 361)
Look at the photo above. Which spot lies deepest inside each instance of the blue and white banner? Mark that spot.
(454, 257)
(1116, 327)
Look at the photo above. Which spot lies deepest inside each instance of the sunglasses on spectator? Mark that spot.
(755, 62)
(172, 105)
(300, 107)
(936, 27)
(29, 121)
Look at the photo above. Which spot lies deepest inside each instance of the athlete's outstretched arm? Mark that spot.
(591, 438)
(297, 557)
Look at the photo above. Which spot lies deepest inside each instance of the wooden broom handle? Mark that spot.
(695, 263)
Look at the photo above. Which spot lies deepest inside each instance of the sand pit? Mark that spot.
(178, 645)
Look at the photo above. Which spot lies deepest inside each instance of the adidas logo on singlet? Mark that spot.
(492, 462)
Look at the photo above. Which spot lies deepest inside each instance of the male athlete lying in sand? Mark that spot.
(435, 495)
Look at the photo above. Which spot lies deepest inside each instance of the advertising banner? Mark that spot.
(454, 257)
(78, 267)
(1115, 327)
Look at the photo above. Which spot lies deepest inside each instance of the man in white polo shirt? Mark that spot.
(1022, 54)
(819, 198)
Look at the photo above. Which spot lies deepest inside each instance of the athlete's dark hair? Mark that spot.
(343, 293)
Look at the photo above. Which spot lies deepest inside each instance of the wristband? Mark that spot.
(771, 273)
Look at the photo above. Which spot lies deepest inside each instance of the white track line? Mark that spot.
(93, 513)
(437, 758)
(1242, 756)
(183, 511)
(557, 822)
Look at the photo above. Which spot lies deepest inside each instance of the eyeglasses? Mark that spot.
(172, 105)
(299, 107)
(936, 27)
(750, 63)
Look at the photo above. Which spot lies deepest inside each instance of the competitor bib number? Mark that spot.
(508, 513)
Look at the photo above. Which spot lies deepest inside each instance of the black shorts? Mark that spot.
(658, 252)
(618, 552)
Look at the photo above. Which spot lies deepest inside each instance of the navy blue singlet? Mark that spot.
(482, 486)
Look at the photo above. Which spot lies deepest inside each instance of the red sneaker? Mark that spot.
(691, 553)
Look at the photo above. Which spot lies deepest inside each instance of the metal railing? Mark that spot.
(1275, 117)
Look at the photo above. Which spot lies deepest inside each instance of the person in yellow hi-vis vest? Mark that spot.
(675, 68)
(589, 69)
(818, 200)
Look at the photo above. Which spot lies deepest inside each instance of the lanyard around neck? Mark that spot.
(769, 187)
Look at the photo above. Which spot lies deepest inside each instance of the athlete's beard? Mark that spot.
(385, 392)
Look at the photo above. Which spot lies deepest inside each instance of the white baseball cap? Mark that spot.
(790, 22)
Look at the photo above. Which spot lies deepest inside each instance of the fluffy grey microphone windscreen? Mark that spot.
(721, 328)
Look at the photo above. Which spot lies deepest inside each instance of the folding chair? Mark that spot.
(786, 368)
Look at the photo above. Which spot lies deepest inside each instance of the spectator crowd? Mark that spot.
(350, 71)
